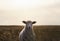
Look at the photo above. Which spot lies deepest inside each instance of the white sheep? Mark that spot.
(27, 34)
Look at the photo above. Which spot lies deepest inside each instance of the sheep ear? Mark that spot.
(33, 22)
(24, 22)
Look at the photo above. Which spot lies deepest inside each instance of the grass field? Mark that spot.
(43, 33)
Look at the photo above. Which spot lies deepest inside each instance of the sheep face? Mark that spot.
(29, 23)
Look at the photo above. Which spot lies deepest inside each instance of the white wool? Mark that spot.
(21, 32)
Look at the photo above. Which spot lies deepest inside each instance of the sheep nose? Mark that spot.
(29, 27)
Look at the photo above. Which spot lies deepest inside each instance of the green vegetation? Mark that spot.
(43, 33)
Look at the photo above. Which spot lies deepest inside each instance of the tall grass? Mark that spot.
(43, 33)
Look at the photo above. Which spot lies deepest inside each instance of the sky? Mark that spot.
(44, 12)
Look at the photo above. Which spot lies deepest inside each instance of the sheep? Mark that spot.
(27, 34)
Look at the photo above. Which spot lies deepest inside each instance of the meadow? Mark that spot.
(43, 32)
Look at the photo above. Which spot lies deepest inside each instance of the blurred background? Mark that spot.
(45, 12)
